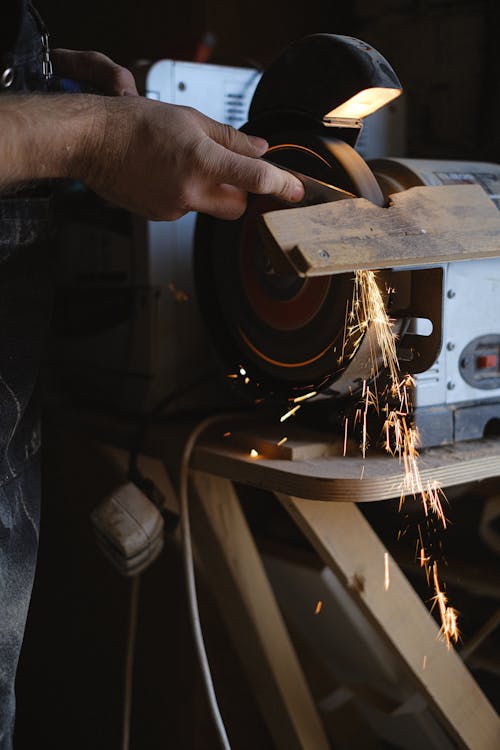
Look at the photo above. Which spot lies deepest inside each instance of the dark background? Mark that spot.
(446, 52)
(446, 55)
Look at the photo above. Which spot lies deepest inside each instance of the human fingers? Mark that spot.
(222, 201)
(96, 70)
(234, 140)
(252, 175)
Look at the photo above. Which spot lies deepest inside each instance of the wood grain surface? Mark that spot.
(348, 478)
(233, 569)
(348, 545)
(422, 226)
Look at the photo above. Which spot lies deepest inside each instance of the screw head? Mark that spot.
(324, 254)
(450, 346)
(181, 86)
(450, 385)
(451, 293)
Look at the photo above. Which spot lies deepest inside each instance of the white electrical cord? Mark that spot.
(192, 600)
(190, 577)
(129, 662)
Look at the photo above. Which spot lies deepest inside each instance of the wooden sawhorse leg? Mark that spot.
(348, 545)
(233, 568)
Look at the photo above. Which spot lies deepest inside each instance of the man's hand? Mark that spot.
(162, 160)
(158, 160)
(189, 161)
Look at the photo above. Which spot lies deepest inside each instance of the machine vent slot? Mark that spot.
(235, 108)
(429, 376)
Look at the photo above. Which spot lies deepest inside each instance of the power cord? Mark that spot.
(129, 661)
(152, 492)
(136, 476)
(190, 576)
(156, 411)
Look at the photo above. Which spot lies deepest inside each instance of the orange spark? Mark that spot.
(178, 294)
(346, 423)
(387, 580)
(290, 413)
(449, 627)
(305, 397)
(366, 318)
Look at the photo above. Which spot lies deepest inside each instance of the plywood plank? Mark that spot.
(348, 545)
(331, 477)
(422, 225)
(349, 478)
(233, 569)
(273, 442)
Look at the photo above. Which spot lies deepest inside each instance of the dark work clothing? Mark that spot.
(19, 523)
(21, 48)
(25, 305)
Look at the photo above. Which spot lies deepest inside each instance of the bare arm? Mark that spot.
(155, 159)
(43, 137)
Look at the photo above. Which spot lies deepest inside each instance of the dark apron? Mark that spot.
(25, 308)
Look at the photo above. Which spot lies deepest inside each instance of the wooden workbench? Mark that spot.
(310, 472)
(344, 478)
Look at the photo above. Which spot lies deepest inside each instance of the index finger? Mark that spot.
(255, 175)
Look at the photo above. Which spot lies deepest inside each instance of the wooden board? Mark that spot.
(302, 444)
(339, 477)
(348, 545)
(232, 567)
(423, 225)
(330, 477)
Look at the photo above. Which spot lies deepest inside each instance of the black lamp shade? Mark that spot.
(317, 74)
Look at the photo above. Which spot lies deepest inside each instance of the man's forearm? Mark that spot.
(152, 158)
(45, 137)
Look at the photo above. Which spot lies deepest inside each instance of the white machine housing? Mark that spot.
(457, 382)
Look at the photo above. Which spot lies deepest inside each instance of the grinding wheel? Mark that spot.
(286, 332)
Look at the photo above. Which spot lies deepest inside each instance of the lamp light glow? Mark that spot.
(364, 103)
